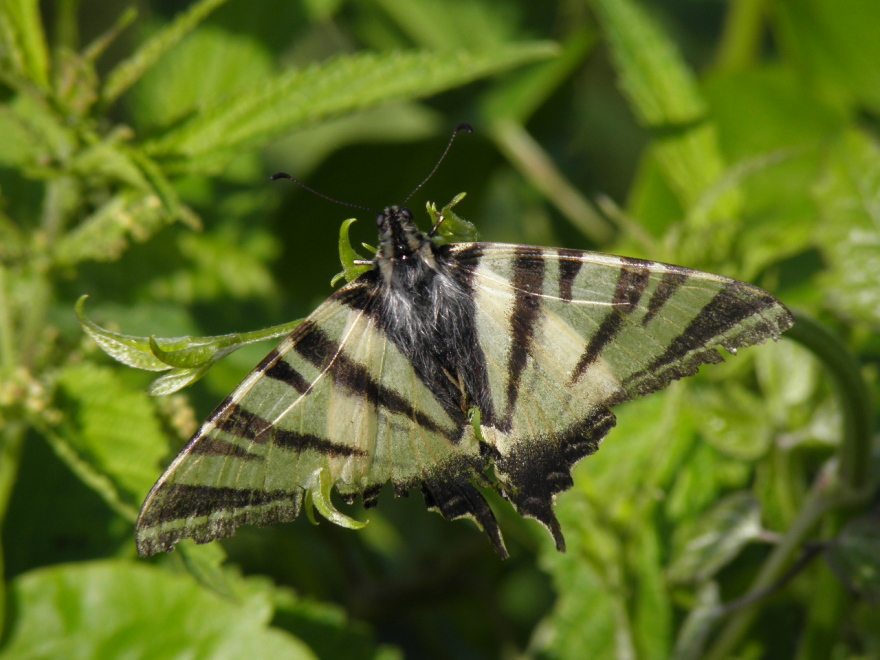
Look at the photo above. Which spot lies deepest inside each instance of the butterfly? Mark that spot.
(450, 368)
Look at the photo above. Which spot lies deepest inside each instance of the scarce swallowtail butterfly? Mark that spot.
(449, 367)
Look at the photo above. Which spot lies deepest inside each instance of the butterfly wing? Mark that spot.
(568, 334)
(334, 396)
(563, 336)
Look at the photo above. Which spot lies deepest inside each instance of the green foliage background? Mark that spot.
(729, 516)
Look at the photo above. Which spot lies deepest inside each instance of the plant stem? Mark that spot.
(741, 37)
(816, 506)
(852, 393)
(829, 492)
(11, 444)
(532, 161)
(7, 344)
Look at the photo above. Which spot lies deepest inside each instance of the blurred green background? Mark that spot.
(732, 515)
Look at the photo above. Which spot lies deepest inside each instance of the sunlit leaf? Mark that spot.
(664, 94)
(118, 609)
(717, 537)
(855, 557)
(23, 40)
(849, 234)
(130, 70)
(304, 96)
(112, 426)
(691, 642)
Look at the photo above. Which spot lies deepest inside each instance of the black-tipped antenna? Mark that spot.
(284, 175)
(458, 129)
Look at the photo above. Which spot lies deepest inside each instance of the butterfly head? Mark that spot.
(401, 244)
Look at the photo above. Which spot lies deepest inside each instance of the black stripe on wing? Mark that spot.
(631, 284)
(219, 511)
(327, 354)
(734, 304)
(673, 279)
(570, 264)
(249, 426)
(528, 280)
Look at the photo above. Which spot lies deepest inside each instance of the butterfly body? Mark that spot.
(382, 382)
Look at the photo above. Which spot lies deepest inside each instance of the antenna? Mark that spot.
(284, 175)
(458, 129)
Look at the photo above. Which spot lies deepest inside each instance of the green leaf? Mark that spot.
(854, 556)
(106, 233)
(652, 610)
(694, 632)
(834, 43)
(301, 97)
(130, 350)
(789, 375)
(849, 232)
(205, 563)
(733, 420)
(176, 379)
(455, 24)
(663, 93)
(112, 427)
(118, 609)
(23, 40)
(582, 597)
(710, 543)
(776, 146)
(130, 70)
(180, 351)
(209, 66)
(517, 98)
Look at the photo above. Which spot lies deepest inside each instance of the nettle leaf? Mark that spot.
(706, 546)
(210, 65)
(835, 47)
(455, 24)
(615, 583)
(773, 147)
(733, 421)
(106, 233)
(848, 234)
(113, 429)
(130, 70)
(694, 632)
(854, 556)
(23, 40)
(113, 609)
(664, 94)
(305, 96)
